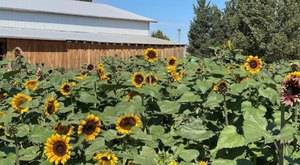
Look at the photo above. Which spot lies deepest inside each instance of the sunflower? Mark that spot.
(126, 122)
(294, 67)
(172, 63)
(90, 67)
(17, 102)
(138, 79)
(106, 158)
(290, 91)
(253, 64)
(229, 44)
(65, 89)
(229, 69)
(81, 76)
(57, 149)
(151, 79)
(199, 71)
(63, 129)
(51, 106)
(175, 75)
(151, 55)
(202, 163)
(101, 72)
(90, 126)
(221, 87)
(173, 162)
(32, 84)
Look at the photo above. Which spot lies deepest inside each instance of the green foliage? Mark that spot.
(182, 121)
(159, 34)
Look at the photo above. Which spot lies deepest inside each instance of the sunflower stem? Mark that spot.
(225, 110)
(17, 150)
(296, 125)
(281, 146)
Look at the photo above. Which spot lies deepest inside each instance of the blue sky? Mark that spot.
(170, 14)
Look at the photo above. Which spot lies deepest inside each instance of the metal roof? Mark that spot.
(71, 7)
(77, 36)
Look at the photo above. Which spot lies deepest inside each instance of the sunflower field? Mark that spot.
(227, 109)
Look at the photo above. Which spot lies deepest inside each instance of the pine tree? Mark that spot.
(216, 34)
(199, 30)
(160, 34)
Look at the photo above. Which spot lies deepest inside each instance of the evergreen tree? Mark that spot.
(200, 30)
(216, 33)
(159, 34)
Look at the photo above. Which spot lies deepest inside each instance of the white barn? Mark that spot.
(68, 33)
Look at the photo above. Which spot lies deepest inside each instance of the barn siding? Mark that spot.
(75, 54)
(57, 22)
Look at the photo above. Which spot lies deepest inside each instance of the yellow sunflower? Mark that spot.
(126, 122)
(138, 79)
(202, 163)
(151, 55)
(17, 102)
(173, 162)
(90, 126)
(172, 63)
(63, 129)
(32, 84)
(101, 73)
(221, 87)
(81, 76)
(57, 149)
(106, 158)
(253, 64)
(151, 79)
(175, 75)
(229, 69)
(65, 89)
(51, 106)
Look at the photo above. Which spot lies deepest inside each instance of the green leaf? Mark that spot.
(96, 146)
(9, 74)
(229, 138)
(168, 107)
(194, 132)
(10, 159)
(224, 161)
(39, 134)
(147, 156)
(157, 131)
(287, 133)
(23, 130)
(29, 153)
(213, 100)
(88, 98)
(255, 127)
(270, 94)
(189, 97)
(204, 85)
(188, 155)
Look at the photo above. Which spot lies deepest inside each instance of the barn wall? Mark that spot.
(49, 21)
(75, 54)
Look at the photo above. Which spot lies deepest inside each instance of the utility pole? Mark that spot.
(179, 35)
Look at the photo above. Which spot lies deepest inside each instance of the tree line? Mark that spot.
(269, 29)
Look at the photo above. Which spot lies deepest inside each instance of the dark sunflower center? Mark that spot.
(90, 67)
(139, 79)
(172, 62)
(50, 107)
(59, 148)
(151, 54)
(223, 86)
(153, 80)
(31, 83)
(105, 159)
(67, 88)
(253, 64)
(127, 123)
(292, 90)
(89, 128)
